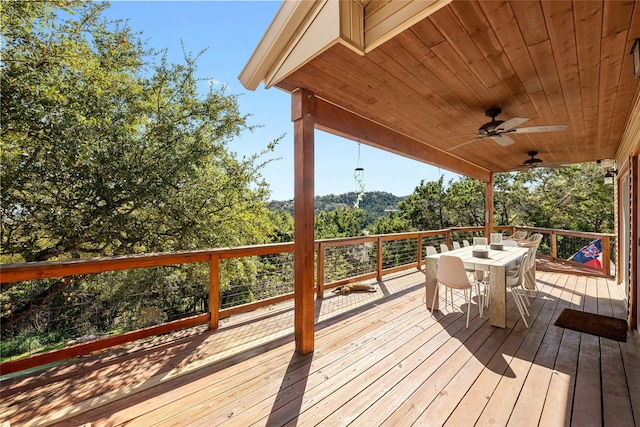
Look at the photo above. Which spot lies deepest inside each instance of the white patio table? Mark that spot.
(498, 262)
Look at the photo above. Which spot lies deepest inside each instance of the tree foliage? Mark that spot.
(345, 222)
(571, 198)
(107, 148)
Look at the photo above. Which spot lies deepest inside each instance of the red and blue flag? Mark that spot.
(590, 254)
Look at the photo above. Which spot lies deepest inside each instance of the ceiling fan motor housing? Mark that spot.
(489, 129)
(533, 160)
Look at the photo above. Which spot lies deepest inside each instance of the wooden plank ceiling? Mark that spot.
(553, 62)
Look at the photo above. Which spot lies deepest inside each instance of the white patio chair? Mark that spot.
(530, 272)
(518, 235)
(479, 241)
(452, 275)
(456, 245)
(444, 247)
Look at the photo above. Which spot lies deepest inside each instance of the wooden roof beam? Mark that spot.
(338, 121)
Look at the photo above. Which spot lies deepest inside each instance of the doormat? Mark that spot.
(594, 324)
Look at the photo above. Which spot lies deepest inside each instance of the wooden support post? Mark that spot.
(214, 291)
(419, 251)
(379, 260)
(606, 255)
(553, 245)
(320, 275)
(303, 117)
(488, 206)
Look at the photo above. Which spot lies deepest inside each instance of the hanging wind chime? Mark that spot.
(358, 176)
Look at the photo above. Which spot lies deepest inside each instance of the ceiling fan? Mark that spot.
(497, 129)
(533, 162)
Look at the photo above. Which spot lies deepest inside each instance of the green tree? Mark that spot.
(425, 208)
(109, 149)
(394, 223)
(512, 201)
(342, 222)
(464, 202)
(283, 227)
(571, 198)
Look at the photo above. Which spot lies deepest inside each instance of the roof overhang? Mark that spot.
(426, 73)
(302, 30)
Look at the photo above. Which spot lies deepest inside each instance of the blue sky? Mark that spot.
(230, 31)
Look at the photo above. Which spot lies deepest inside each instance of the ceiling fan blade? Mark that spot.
(524, 167)
(465, 143)
(510, 124)
(502, 140)
(556, 165)
(536, 129)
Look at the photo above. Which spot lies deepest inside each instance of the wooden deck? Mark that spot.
(380, 359)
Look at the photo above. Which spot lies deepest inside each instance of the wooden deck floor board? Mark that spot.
(472, 404)
(537, 387)
(350, 402)
(368, 360)
(616, 401)
(407, 387)
(341, 354)
(631, 363)
(336, 337)
(494, 360)
(380, 359)
(559, 395)
(505, 395)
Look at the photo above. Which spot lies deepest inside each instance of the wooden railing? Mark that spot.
(379, 255)
(552, 239)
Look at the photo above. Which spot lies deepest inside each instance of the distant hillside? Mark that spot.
(374, 203)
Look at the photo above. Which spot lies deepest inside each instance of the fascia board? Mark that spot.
(320, 32)
(302, 30)
(288, 21)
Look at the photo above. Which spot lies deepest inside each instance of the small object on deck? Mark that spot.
(354, 287)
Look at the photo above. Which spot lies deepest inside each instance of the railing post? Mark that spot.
(606, 255)
(419, 251)
(379, 260)
(214, 291)
(553, 245)
(448, 238)
(320, 272)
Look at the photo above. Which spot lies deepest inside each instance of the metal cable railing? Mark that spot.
(65, 304)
